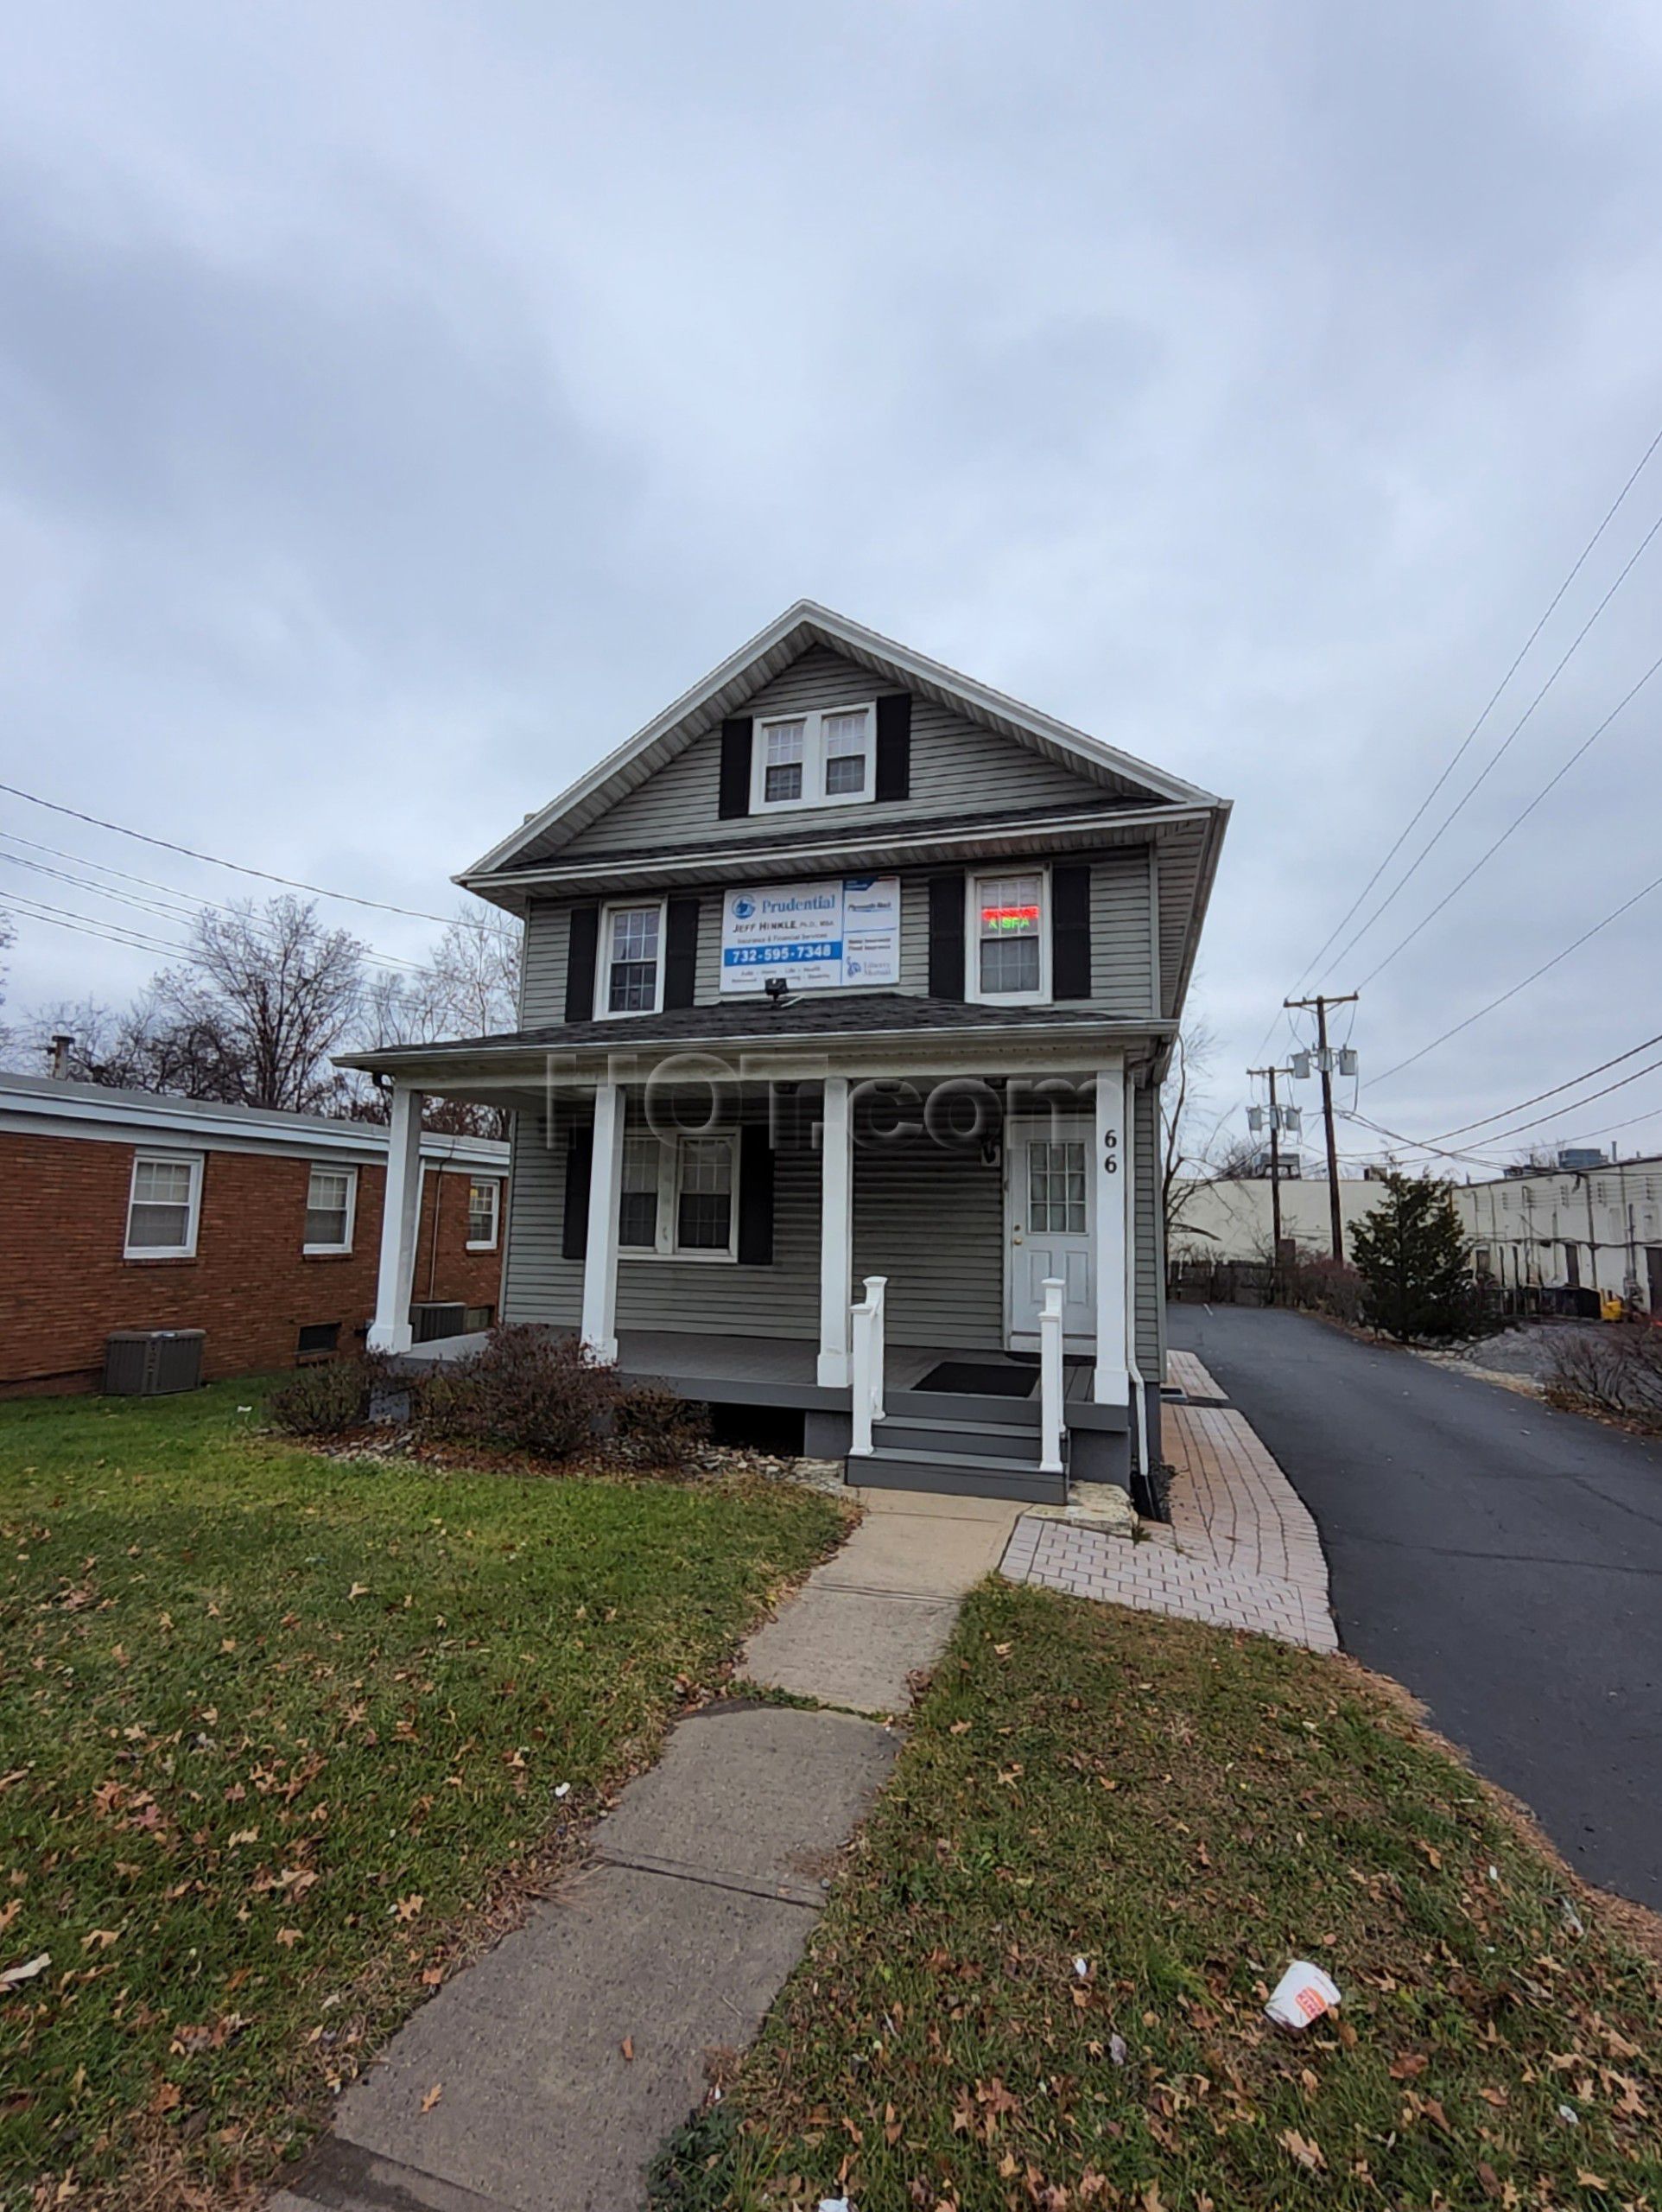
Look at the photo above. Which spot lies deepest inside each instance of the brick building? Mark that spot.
(122, 1209)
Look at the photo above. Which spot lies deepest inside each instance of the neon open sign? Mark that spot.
(1017, 919)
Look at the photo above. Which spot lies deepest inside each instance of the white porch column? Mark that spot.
(1111, 1172)
(400, 1207)
(836, 1233)
(601, 1253)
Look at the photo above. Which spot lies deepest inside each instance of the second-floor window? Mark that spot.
(631, 959)
(821, 758)
(1009, 936)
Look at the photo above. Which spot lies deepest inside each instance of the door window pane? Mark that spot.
(1056, 1187)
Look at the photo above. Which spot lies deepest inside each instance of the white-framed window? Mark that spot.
(630, 978)
(330, 1203)
(164, 1206)
(483, 1213)
(825, 758)
(1007, 931)
(679, 1198)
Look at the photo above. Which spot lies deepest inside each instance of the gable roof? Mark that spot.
(755, 665)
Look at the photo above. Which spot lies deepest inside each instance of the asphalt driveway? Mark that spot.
(1502, 1560)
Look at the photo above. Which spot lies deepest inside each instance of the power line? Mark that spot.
(265, 876)
(1494, 759)
(1504, 1136)
(1569, 1083)
(1515, 824)
(1534, 976)
(178, 905)
(1466, 742)
(116, 933)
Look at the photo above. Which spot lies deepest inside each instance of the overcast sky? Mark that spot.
(399, 403)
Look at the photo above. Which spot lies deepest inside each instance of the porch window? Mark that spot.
(704, 1198)
(631, 964)
(678, 1197)
(638, 1209)
(824, 759)
(1008, 930)
(329, 1206)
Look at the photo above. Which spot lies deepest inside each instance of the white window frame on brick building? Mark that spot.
(141, 1193)
(316, 1247)
(490, 1212)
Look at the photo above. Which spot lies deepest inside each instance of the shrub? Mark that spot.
(653, 1427)
(524, 1389)
(335, 1395)
(1321, 1284)
(1411, 1255)
(1618, 1371)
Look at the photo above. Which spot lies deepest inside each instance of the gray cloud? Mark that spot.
(398, 404)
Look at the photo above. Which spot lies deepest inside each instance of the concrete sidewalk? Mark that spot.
(564, 2059)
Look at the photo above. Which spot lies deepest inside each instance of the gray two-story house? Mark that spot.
(849, 986)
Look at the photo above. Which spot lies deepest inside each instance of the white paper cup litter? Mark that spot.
(1302, 1995)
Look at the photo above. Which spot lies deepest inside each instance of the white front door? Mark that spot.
(1048, 1231)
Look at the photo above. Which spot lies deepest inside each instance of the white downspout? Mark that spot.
(1139, 1403)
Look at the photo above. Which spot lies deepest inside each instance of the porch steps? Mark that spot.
(963, 1445)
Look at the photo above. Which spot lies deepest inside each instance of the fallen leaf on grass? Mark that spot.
(288, 1937)
(358, 1590)
(1308, 2154)
(433, 2096)
(28, 1971)
(407, 1908)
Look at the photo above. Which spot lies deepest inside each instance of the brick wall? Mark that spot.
(65, 1284)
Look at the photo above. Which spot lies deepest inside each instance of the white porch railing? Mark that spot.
(866, 1363)
(1051, 1373)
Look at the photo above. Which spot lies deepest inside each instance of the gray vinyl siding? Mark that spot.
(956, 766)
(705, 1297)
(932, 1222)
(1121, 950)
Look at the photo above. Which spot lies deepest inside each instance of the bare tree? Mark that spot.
(469, 988)
(1182, 1118)
(271, 993)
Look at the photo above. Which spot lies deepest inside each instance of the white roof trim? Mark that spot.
(46, 1107)
(745, 671)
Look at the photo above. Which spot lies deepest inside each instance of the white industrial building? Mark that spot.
(1593, 1228)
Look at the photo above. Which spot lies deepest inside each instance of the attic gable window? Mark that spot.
(822, 758)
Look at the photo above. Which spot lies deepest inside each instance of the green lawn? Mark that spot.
(1186, 1810)
(272, 1726)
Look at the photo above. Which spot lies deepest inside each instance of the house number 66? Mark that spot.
(1110, 1165)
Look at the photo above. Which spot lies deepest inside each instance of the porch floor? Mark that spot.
(767, 1370)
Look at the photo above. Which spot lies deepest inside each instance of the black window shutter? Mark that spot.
(580, 962)
(755, 1195)
(1070, 932)
(680, 952)
(894, 747)
(579, 1159)
(734, 796)
(947, 937)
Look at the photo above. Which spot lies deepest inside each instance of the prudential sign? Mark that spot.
(815, 934)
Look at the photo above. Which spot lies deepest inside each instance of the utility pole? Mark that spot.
(1324, 1061)
(1275, 1160)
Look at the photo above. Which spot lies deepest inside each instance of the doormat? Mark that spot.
(964, 1377)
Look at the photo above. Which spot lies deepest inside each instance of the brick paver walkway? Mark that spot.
(1242, 1551)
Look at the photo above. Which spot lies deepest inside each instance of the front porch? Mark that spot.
(937, 1266)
